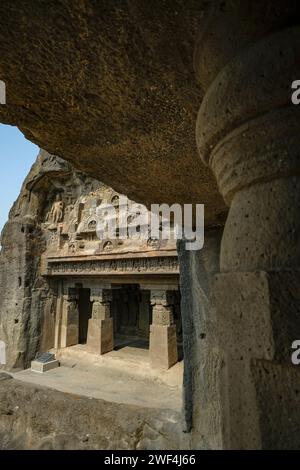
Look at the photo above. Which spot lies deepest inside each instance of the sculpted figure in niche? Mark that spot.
(115, 200)
(92, 225)
(153, 242)
(107, 246)
(57, 211)
(72, 248)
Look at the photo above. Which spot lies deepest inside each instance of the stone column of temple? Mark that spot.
(200, 391)
(247, 132)
(100, 338)
(58, 316)
(163, 339)
(70, 319)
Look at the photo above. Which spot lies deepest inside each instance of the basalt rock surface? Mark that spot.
(27, 301)
(110, 87)
(59, 421)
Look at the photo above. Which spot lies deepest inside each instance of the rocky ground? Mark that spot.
(35, 417)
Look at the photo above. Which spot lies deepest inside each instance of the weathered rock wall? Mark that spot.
(27, 300)
(201, 401)
(34, 417)
(110, 86)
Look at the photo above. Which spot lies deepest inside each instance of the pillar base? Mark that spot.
(100, 338)
(257, 320)
(163, 346)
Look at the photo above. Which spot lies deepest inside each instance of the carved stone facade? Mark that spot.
(97, 288)
(125, 113)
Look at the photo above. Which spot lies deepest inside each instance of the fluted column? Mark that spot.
(163, 339)
(247, 132)
(100, 339)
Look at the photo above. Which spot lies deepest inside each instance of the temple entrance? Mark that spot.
(140, 320)
(132, 314)
(85, 313)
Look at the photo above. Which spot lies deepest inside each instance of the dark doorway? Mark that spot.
(85, 313)
(131, 311)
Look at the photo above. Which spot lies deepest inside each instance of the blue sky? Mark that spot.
(16, 157)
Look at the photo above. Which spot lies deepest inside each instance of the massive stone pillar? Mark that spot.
(247, 132)
(70, 319)
(163, 339)
(201, 359)
(100, 339)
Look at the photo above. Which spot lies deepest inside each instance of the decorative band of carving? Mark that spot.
(159, 265)
(250, 155)
(254, 83)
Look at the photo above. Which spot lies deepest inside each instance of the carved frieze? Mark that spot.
(155, 265)
(76, 220)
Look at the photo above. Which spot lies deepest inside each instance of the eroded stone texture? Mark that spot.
(246, 132)
(56, 420)
(202, 359)
(257, 320)
(70, 323)
(74, 271)
(27, 301)
(163, 340)
(246, 59)
(100, 339)
(110, 87)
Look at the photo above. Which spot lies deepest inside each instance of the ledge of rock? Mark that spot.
(110, 87)
(33, 417)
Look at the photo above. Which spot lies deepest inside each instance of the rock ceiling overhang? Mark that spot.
(110, 87)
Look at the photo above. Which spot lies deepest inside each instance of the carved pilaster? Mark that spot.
(101, 299)
(70, 319)
(100, 338)
(247, 134)
(163, 339)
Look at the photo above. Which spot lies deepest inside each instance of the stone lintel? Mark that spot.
(87, 266)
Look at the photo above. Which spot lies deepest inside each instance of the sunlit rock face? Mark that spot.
(27, 301)
(53, 229)
(110, 87)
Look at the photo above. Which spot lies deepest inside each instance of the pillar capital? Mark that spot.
(247, 134)
(246, 126)
(101, 294)
(163, 338)
(162, 307)
(162, 297)
(72, 295)
(101, 300)
(100, 329)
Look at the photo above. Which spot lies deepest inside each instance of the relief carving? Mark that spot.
(92, 225)
(56, 214)
(137, 265)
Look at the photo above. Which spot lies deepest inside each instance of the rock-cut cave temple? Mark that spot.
(164, 102)
(87, 290)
